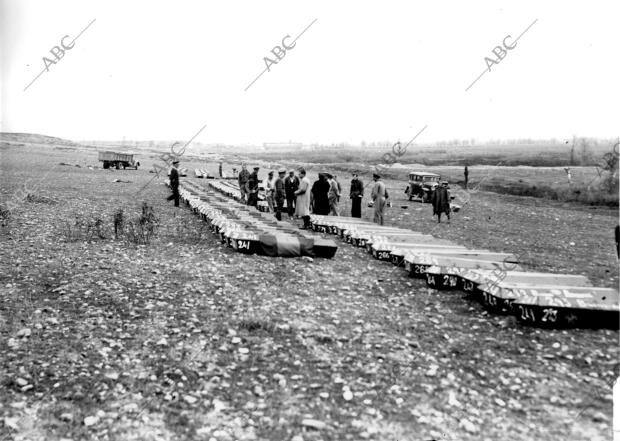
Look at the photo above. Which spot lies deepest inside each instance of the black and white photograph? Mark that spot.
(309, 221)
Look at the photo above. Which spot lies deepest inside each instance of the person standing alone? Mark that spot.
(466, 174)
(356, 195)
(380, 197)
(291, 184)
(441, 201)
(174, 183)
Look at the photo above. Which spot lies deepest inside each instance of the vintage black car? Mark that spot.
(421, 185)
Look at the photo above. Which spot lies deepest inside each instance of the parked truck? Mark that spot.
(118, 160)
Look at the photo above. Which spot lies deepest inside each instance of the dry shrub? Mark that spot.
(39, 199)
(5, 216)
(119, 222)
(85, 228)
(141, 229)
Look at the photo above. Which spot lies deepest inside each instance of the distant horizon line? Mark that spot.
(362, 143)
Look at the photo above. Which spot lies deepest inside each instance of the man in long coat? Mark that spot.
(279, 194)
(319, 197)
(291, 184)
(302, 204)
(333, 195)
(252, 188)
(174, 183)
(269, 191)
(379, 196)
(441, 201)
(356, 194)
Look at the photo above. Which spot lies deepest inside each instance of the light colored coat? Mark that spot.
(379, 195)
(302, 206)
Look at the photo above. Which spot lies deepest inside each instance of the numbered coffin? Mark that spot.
(398, 255)
(487, 283)
(569, 307)
(455, 267)
(423, 246)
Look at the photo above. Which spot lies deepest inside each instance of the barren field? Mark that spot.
(183, 338)
(520, 170)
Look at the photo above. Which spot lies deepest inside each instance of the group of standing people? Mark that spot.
(322, 198)
(302, 198)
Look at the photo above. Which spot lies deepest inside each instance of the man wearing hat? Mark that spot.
(291, 184)
(441, 201)
(302, 204)
(174, 182)
(356, 194)
(244, 176)
(379, 196)
(252, 187)
(279, 194)
(269, 190)
(333, 194)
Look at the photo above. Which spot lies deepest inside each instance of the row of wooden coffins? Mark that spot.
(496, 279)
(203, 173)
(231, 190)
(249, 231)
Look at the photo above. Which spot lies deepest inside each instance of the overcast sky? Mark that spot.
(373, 71)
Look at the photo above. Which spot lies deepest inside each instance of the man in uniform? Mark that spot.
(252, 187)
(174, 182)
(279, 194)
(379, 196)
(291, 184)
(244, 176)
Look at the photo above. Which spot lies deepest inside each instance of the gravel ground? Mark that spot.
(186, 339)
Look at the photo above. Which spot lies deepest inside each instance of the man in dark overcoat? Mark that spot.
(291, 184)
(174, 182)
(441, 201)
(356, 194)
(252, 186)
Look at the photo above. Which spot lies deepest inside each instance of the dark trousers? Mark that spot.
(175, 196)
(439, 216)
(279, 208)
(306, 221)
(356, 207)
(290, 205)
(253, 199)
